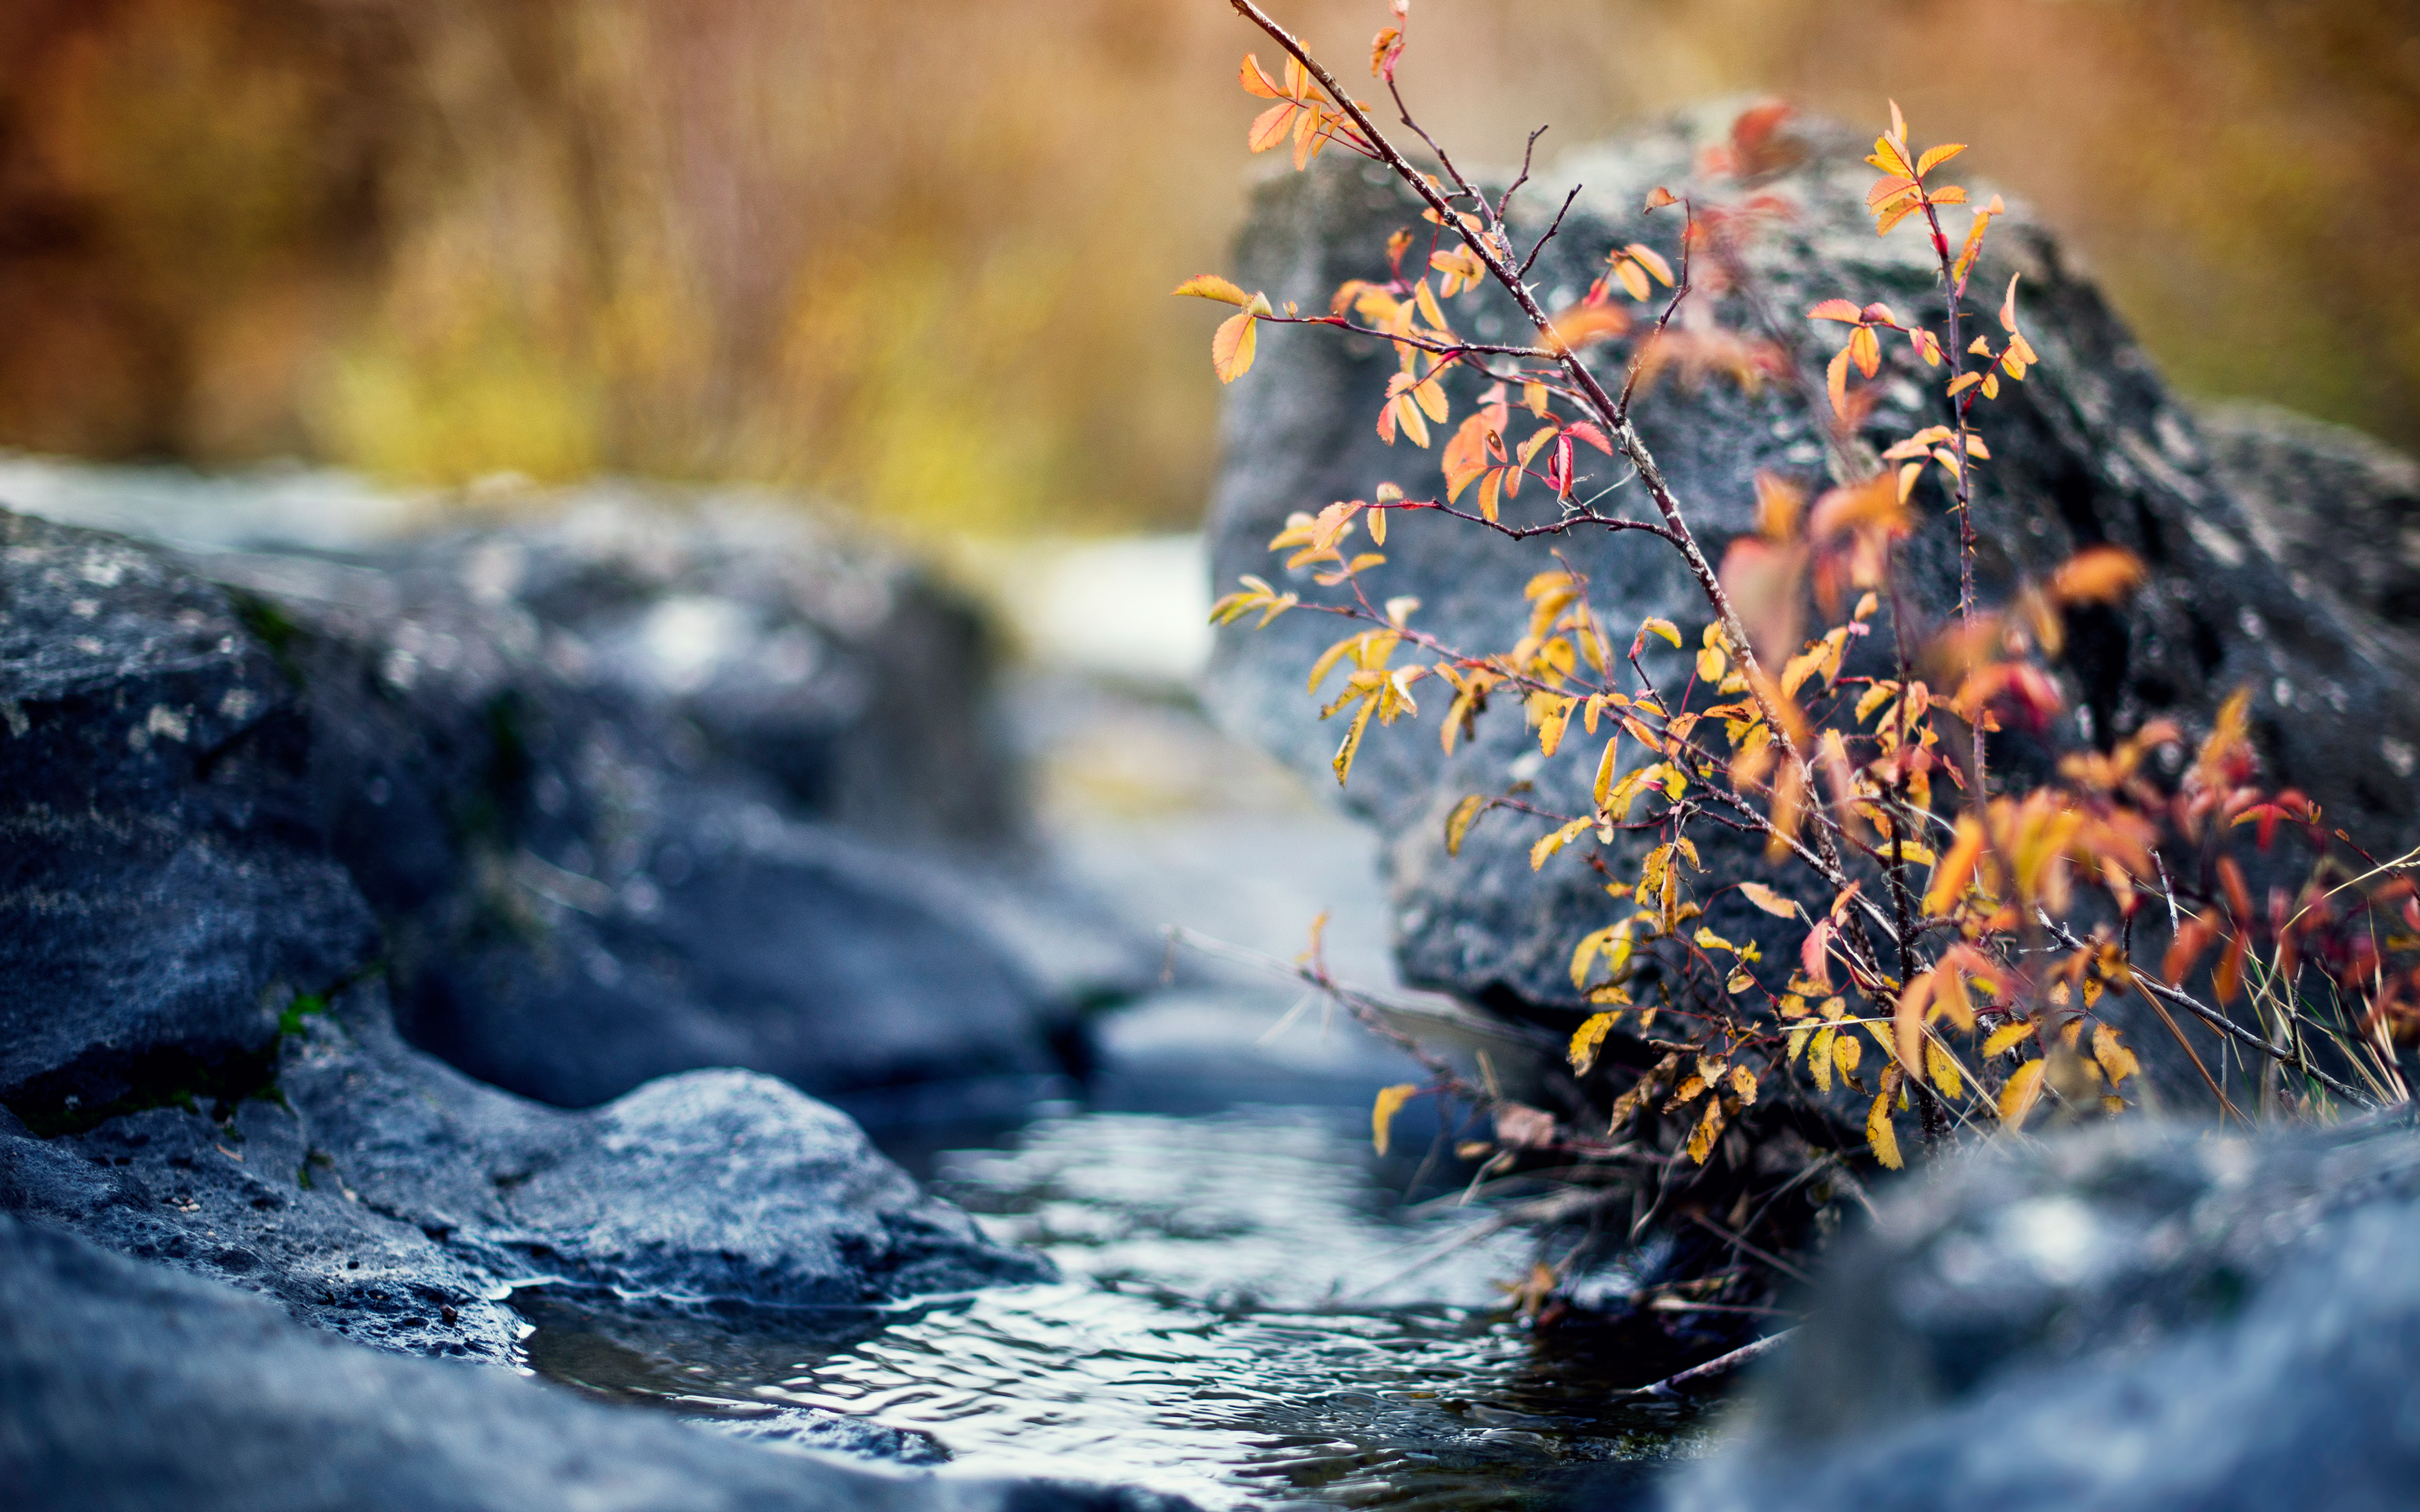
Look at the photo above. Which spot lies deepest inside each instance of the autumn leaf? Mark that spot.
(1768, 900)
(2017, 1098)
(1382, 1113)
(2097, 574)
(1211, 287)
(1934, 157)
(1709, 1128)
(2117, 1061)
(1458, 822)
(1587, 1039)
(1232, 346)
(1941, 1069)
(1880, 1135)
(1548, 845)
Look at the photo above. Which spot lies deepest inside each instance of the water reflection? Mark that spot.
(1244, 1321)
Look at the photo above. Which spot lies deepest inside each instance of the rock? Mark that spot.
(202, 1069)
(637, 792)
(164, 885)
(2334, 505)
(2091, 448)
(131, 1388)
(377, 1193)
(2144, 1317)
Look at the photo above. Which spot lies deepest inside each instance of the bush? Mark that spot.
(1836, 758)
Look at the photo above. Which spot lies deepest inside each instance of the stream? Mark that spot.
(1256, 1310)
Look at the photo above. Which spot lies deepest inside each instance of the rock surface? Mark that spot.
(2092, 448)
(2145, 1317)
(201, 1067)
(635, 792)
(378, 1193)
(162, 880)
(130, 1388)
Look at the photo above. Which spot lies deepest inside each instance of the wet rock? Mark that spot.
(2092, 448)
(377, 1193)
(165, 887)
(637, 792)
(128, 1387)
(2144, 1317)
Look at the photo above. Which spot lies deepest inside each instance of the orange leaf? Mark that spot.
(1257, 82)
(1660, 196)
(2097, 575)
(1268, 128)
(1231, 345)
(1935, 157)
(1211, 287)
(1840, 310)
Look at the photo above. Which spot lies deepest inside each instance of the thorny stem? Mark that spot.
(1953, 294)
(1494, 252)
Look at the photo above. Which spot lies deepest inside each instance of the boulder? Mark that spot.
(130, 1388)
(201, 1066)
(2142, 1316)
(635, 792)
(2092, 448)
(164, 887)
(379, 1193)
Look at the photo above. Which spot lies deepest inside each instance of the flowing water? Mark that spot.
(1242, 1320)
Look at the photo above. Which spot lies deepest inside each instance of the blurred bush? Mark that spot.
(916, 254)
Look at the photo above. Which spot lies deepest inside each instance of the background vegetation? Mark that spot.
(916, 254)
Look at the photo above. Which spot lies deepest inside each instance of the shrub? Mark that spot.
(1973, 924)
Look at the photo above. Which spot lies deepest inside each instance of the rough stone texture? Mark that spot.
(2335, 505)
(2091, 448)
(636, 792)
(2140, 1318)
(130, 1388)
(389, 1197)
(162, 883)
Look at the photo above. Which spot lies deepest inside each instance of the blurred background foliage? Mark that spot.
(916, 254)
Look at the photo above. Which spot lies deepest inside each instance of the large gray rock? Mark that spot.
(2092, 448)
(124, 1387)
(162, 885)
(377, 1193)
(2147, 1317)
(637, 791)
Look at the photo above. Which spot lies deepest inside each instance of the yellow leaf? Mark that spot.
(1935, 157)
(2117, 1061)
(1768, 900)
(1587, 1037)
(1710, 1128)
(1604, 766)
(1819, 1056)
(1382, 1113)
(1942, 1067)
(1555, 842)
(1846, 1050)
(1551, 727)
(1584, 954)
(1231, 345)
(1458, 822)
(1659, 626)
(1744, 1084)
(2004, 1037)
(1343, 765)
(1429, 310)
(2017, 1098)
(1211, 287)
(1329, 659)
(1880, 1135)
